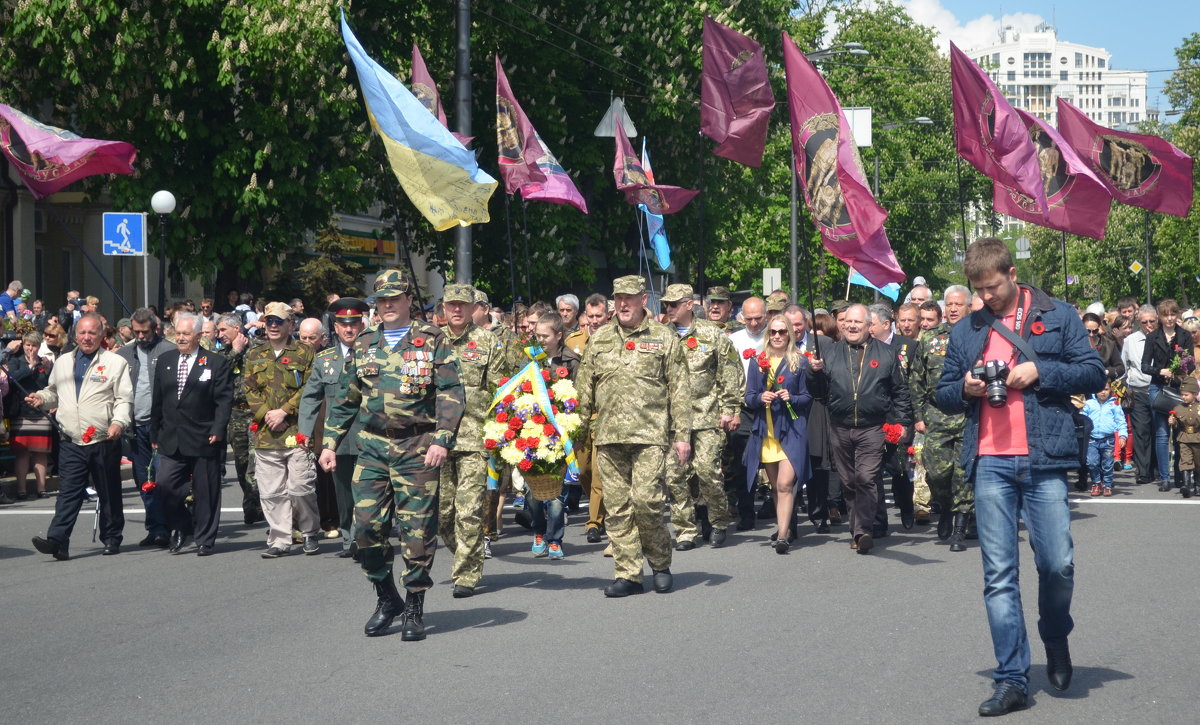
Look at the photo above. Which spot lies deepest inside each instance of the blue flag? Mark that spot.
(655, 226)
(891, 290)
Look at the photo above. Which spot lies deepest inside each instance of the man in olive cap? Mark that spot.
(720, 309)
(634, 379)
(402, 386)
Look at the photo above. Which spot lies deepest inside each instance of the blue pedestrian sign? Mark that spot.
(125, 234)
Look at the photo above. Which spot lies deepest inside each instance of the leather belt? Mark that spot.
(397, 433)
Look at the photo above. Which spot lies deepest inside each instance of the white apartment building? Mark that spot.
(1034, 69)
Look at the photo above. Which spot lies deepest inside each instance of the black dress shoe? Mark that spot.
(823, 527)
(945, 524)
(204, 551)
(663, 581)
(907, 520)
(177, 541)
(685, 546)
(593, 535)
(50, 547)
(111, 550)
(745, 523)
(161, 542)
(622, 588)
(1008, 697)
(718, 538)
(1058, 664)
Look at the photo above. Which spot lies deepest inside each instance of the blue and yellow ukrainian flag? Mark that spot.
(437, 172)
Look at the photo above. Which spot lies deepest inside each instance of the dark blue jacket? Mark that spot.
(791, 434)
(1066, 365)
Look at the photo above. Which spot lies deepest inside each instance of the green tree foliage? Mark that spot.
(329, 271)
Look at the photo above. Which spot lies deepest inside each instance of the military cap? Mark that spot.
(776, 304)
(123, 322)
(481, 298)
(348, 309)
(392, 283)
(677, 293)
(837, 306)
(458, 293)
(630, 284)
(278, 309)
(1190, 385)
(718, 294)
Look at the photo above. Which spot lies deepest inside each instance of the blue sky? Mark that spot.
(1140, 36)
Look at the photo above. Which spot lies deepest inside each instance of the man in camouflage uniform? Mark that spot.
(716, 381)
(720, 309)
(634, 377)
(274, 374)
(481, 365)
(943, 433)
(321, 393)
(402, 385)
(233, 347)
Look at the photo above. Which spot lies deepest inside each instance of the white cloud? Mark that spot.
(974, 33)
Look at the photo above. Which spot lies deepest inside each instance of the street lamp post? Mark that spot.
(163, 203)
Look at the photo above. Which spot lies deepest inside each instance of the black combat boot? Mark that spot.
(945, 522)
(1189, 483)
(959, 533)
(972, 530)
(389, 606)
(703, 522)
(414, 623)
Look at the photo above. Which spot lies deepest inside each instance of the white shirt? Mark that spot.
(742, 340)
(1131, 355)
(191, 361)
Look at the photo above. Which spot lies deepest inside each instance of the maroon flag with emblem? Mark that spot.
(631, 178)
(1077, 201)
(835, 190)
(426, 92)
(50, 158)
(1139, 170)
(735, 95)
(989, 134)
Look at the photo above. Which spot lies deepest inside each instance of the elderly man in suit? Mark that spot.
(90, 388)
(193, 397)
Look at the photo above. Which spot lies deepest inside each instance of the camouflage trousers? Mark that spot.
(944, 473)
(243, 462)
(461, 495)
(633, 500)
(707, 446)
(392, 484)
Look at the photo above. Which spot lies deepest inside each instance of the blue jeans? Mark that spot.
(1162, 437)
(1006, 489)
(1100, 460)
(549, 518)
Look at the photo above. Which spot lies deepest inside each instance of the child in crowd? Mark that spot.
(1108, 428)
(1186, 420)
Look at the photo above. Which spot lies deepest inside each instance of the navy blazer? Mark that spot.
(791, 434)
(181, 425)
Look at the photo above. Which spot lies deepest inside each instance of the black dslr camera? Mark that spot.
(994, 373)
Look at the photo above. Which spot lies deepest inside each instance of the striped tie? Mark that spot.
(183, 373)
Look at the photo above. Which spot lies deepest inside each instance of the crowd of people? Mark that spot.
(365, 424)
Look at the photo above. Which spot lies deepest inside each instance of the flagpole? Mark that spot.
(1065, 275)
(525, 228)
(644, 256)
(962, 207)
(700, 262)
(512, 273)
(462, 119)
(1146, 234)
(794, 231)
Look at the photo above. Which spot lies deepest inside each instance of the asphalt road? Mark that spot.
(820, 635)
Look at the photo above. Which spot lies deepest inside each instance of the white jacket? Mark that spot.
(106, 396)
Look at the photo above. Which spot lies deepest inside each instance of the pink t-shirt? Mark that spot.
(1002, 430)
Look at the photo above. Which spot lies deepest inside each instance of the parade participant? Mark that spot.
(908, 322)
(778, 397)
(568, 310)
(720, 309)
(192, 401)
(91, 390)
(1017, 450)
(746, 341)
(402, 385)
(1186, 419)
(863, 385)
(234, 344)
(716, 379)
(634, 377)
(895, 455)
(595, 314)
(275, 374)
(320, 395)
(464, 477)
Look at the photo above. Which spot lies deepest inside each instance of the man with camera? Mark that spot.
(1011, 370)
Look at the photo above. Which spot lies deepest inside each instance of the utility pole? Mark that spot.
(462, 120)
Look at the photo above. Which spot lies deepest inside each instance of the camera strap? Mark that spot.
(1016, 339)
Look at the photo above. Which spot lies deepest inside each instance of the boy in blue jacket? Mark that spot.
(1108, 428)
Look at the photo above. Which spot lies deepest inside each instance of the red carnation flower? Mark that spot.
(550, 393)
(510, 434)
(509, 398)
(539, 418)
(572, 401)
(527, 386)
(779, 380)
(629, 345)
(912, 451)
(501, 417)
(503, 381)
(301, 439)
(546, 375)
(490, 443)
(808, 353)
(747, 354)
(284, 360)
(561, 372)
(874, 363)
(691, 343)
(521, 444)
(149, 486)
(254, 427)
(1037, 328)
(88, 434)
(515, 423)
(471, 345)
(419, 341)
(548, 430)
(525, 465)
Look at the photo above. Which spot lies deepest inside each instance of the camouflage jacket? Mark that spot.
(716, 373)
(415, 383)
(481, 364)
(635, 383)
(729, 326)
(275, 382)
(320, 394)
(924, 371)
